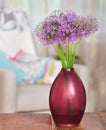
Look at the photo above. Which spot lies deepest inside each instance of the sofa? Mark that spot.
(15, 98)
(26, 97)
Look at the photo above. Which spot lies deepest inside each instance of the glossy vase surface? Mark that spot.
(67, 99)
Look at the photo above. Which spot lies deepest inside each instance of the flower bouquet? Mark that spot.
(64, 31)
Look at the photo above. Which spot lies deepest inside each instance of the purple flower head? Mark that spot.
(65, 27)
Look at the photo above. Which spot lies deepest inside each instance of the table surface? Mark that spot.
(32, 121)
(90, 121)
(25, 121)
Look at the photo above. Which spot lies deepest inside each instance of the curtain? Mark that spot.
(5, 4)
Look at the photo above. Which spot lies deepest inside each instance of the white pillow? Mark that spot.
(13, 41)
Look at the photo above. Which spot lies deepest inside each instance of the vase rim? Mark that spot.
(68, 69)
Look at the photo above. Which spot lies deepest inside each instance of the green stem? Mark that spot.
(67, 54)
(60, 52)
(67, 51)
(76, 45)
(70, 55)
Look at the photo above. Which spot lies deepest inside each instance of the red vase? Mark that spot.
(67, 99)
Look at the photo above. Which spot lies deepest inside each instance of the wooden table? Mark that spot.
(90, 121)
(25, 121)
(32, 121)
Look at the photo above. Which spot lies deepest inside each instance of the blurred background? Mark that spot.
(92, 50)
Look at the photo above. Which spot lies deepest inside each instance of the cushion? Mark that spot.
(15, 32)
(6, 64)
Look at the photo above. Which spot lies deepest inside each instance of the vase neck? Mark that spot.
(67, 69)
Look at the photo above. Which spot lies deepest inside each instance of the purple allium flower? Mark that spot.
(64, 28)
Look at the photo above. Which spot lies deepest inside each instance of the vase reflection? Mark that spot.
(71, 128)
